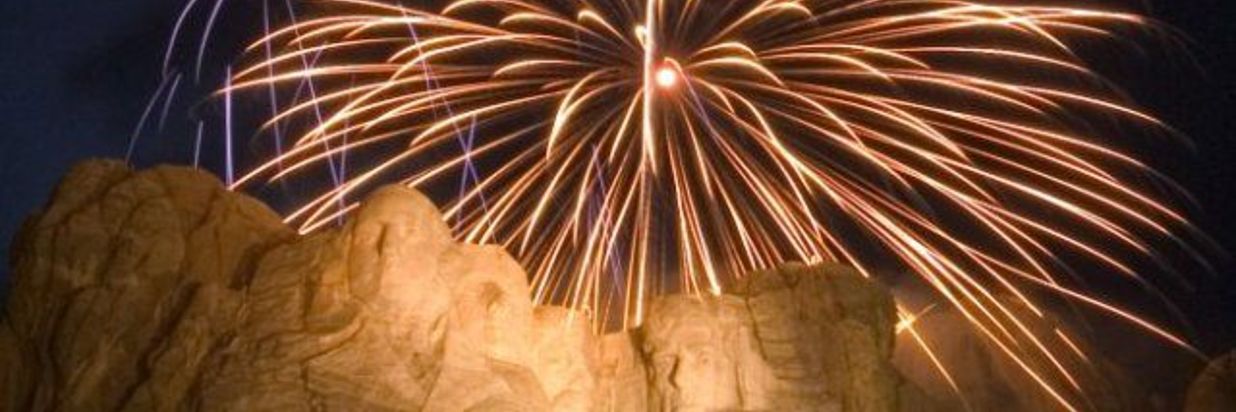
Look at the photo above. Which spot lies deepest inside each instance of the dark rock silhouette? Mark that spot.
(1215, 389)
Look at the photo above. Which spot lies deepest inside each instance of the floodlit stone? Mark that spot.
(567, 359)
(701, 356)
(161, 290)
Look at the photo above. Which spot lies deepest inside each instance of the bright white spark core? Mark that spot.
(667, 78)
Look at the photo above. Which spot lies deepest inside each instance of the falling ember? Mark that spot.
(801, 131)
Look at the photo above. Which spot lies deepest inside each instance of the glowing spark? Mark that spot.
(667, 78)
(907, 320)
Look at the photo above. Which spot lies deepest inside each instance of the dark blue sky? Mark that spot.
(75, 75)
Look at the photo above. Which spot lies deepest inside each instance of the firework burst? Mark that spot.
(623, 149)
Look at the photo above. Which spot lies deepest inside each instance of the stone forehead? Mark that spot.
(670, 314)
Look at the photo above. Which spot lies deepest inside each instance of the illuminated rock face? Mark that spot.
(125, 285)
(798, 338)
(160, 290)
(827, 334)
(701, 355)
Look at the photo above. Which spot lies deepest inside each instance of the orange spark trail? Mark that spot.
(627, 149)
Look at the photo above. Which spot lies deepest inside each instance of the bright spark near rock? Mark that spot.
(667, 78)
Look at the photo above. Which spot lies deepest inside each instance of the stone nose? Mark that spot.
(677, 375)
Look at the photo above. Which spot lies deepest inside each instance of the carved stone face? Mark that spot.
(696, 374)
(698, 357)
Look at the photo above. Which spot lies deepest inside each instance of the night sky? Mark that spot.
(76, 75)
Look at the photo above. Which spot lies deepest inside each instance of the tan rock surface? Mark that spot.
(567, 359)
(702, 355)
(1215, 389)
(121, 287)
(160, 290)
(622, 378)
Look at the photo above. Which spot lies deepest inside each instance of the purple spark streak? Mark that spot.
(201, 51)
(171, 42)
(167, 102)
(141, 123)
(197, 145)
(227, 124)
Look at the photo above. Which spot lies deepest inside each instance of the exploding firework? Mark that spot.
(622, 149)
